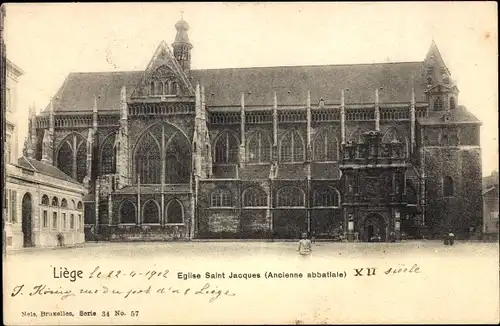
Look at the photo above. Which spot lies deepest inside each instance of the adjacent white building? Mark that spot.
(41, 203)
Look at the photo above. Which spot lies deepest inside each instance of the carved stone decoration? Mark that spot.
(47, 147)
(372, 187)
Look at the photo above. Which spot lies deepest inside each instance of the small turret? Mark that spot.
(182, 47)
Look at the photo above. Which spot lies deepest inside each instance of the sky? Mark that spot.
(48, 41)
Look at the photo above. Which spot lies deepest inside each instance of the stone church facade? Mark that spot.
(178, 153)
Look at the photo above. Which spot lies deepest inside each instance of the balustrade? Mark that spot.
(360, 114)
(325, 115)
(160, 108)
(258, 117)
(292, 116)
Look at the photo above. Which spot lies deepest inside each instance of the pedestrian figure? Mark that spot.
(451, 238)
(313, 237)
(305, 247)
(60, 240)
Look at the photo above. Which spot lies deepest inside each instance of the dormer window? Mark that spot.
(429, 81)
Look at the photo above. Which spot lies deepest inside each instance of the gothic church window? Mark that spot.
(448, 187)
(178, 158)
(325, 147)
(108, 156)
(65, 159)
(259, 148)
(290, 197)
(127, 212)
(438, 104)
(395, 144)
(226, 149)
(81, 162)
(292, 147)
(175, 212)
(221, 197)
(148, 160)
(326, 197)
(254, 197)
(151, 212)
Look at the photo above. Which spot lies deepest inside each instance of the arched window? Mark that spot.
(151, 212)
(174, 88)
(395, 144)
(291, 197)
(55, 202)
(45, 200)
(452, 103)
(81, 162)
(438, 104)
(254, 197)
(448, 188)
(325, 147)
(64, 203)
(444, 140)
(103, 213)
(226, 149)
(79, 205)
(152, 88)
(108, 155)
(259, 148)
(292, 147)
(221, 197)
(178, 159)
(411, 194)
(158, 88)
(175, 212)
(147, 160)
(127, 212)
(65, 159)
(326, 197)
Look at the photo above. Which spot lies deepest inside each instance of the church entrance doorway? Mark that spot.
(27, 216)
(374, 228)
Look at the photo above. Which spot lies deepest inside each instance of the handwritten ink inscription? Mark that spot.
(401, 269)
(212, 292)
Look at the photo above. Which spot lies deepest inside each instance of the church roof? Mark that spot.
(223, 87)
(44, 168)
(460, 115)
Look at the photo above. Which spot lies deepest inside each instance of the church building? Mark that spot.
(367, 150)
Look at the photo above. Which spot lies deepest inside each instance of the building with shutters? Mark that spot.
(178, 153)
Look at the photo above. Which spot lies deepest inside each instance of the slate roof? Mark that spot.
(223, 87)
(460, 115)
(44, 168)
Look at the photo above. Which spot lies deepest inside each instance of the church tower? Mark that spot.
(182, 47)
(442, 93)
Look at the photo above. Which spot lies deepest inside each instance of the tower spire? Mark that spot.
(182, 46)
